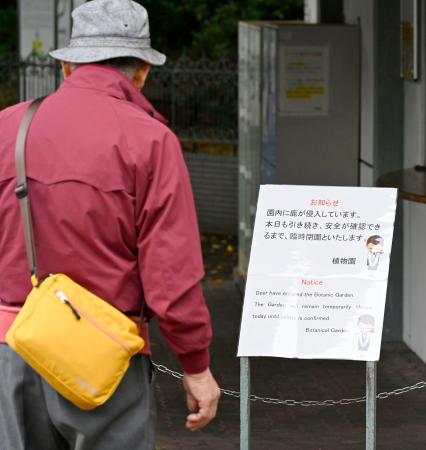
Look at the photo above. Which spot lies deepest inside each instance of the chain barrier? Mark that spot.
(277, 401)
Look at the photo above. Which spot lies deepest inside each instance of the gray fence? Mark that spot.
(200, 98)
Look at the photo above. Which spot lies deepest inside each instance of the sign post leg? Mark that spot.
(245, 403)
(371, 392)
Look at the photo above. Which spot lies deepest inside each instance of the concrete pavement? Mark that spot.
(401, 420)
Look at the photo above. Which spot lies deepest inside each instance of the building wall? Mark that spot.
(414, 331)
(414, 313)
(414, 105)
(389, 143)
(382, 118)
(363, 12)
(393, 136)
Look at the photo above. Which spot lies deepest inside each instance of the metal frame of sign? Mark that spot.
(370, 404)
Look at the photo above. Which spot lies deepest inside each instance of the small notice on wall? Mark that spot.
(304, 81)
(317, 278)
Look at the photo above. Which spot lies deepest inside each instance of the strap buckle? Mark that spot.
(21, 190)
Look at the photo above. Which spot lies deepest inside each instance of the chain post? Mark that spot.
(245, 403)
(371, 405)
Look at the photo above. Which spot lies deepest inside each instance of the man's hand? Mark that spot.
(202, 397)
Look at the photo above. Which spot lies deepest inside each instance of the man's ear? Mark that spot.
(140, 76)
(66, 69)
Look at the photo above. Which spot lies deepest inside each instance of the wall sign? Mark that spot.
(304, 81)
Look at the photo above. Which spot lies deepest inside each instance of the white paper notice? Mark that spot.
(305, 81)
(317, 278)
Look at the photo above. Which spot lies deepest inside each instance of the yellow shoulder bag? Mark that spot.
(80, 344)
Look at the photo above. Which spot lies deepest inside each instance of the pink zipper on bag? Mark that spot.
(78, 313)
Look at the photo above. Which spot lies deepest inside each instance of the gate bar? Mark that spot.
(370, 404)
(245, 403)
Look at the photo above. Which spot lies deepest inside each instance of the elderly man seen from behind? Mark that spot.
(112, 208)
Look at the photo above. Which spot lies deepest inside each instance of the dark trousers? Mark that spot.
(34, 417)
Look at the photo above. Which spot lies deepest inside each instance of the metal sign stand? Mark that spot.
(244, 403)
(370, 404)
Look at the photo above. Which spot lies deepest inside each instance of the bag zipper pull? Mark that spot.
(63, 298)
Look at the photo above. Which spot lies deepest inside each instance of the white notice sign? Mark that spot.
(317, 279)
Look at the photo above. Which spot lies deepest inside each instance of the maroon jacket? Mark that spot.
(112, 208)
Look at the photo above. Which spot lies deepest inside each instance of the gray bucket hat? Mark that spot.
(105, 29)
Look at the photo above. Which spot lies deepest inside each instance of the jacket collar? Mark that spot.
(113, 83)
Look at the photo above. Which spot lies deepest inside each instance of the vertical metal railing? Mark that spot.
(173, 100)
(245, 381)
(370, 405)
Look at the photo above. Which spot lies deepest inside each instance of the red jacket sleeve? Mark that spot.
(170, 259)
